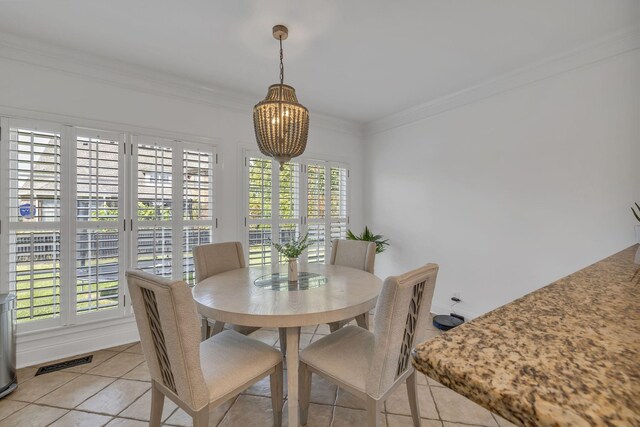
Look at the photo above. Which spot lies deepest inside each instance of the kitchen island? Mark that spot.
(567, 354)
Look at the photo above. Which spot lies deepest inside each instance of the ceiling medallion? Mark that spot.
(280, 122)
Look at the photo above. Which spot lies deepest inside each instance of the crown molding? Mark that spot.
(608, 47)
(142, 79)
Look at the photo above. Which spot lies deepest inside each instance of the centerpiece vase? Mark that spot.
(293, 269)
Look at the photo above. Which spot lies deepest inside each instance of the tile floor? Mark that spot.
(114, 390)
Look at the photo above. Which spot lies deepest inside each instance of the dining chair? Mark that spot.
(355, 254)
(212, 259)
(370, 365)
(196, 375)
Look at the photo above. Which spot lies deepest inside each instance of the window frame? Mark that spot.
(303, 221)
(69, 225)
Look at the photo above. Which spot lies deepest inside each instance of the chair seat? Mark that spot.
(230, 359)
(344, 355)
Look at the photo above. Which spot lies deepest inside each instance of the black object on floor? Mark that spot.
(64, 365)
(445, 322)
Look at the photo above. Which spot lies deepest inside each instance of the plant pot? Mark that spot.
(637, 233)
(292, 270)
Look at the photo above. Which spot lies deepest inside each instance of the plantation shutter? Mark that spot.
(34, 242)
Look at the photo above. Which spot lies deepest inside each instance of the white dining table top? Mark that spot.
(232, 297)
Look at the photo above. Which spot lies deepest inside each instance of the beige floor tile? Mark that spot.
(323, 330)
(81, 419)
(116, 397)
(456, 408)
(502, 422)
(263, 387)
(347, 417)
(120, 348)
(37, 387)
(433, 383)
(118, 365)
(348, 400)
(141, 408)
(268, 337)
(136, 348)
(406, 421)
(140, 373)
(450, 424)
(308, 329)
(398, 402)
(75, 391)
(25, 374)
(8, 407)
(322, 391)
(305, 340)
(123, 422)
(181, 418)
(422, 378)
(98, 357)
(33, 416)
(249, 411)
(319, 415)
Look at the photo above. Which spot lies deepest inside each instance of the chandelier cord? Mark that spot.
(281, 64)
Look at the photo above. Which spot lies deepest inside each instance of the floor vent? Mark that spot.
(64, 365)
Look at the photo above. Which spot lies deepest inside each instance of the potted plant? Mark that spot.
(292, 250)
(637, 215)
(368, 236)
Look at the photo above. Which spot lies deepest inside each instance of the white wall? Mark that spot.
(45, 86)
(512, 192)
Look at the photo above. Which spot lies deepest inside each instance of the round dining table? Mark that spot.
(263, 297)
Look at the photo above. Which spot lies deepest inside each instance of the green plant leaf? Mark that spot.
(368, 236)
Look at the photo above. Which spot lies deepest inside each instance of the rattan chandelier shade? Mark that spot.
(281, 123)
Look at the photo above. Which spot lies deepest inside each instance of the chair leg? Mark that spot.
(305, 392)
(205, 328)
(157, 404)
(283, 341)
(374, 409)
(412, 391)
(201, 418)
(217, 328)
(334, 326)
(363, 320)
(276, 394)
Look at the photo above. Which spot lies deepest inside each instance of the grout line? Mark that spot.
(58, 417)
(435, 404)
(235, 399)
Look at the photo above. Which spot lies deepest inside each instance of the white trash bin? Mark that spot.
(8, 380)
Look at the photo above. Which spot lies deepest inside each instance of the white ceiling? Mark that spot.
(356, 59)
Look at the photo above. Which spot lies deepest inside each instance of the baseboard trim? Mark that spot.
(49, 345)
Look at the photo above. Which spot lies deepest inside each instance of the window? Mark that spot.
(281, 204)
(84, 205)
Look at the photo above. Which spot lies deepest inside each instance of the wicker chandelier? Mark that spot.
(280, 122)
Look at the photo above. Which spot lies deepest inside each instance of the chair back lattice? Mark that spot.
(159, 344)
(353, 253)
(402, 315)
(169, 329)
(217, 258)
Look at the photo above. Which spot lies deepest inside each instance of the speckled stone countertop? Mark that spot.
(565, 355)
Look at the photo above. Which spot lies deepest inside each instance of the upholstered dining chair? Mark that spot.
(195, 375)
(370, 365)
(212, 259)
(355, 254)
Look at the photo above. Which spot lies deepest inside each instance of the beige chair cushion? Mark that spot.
(217, 258)
(230, 359)
(345, 355)
(353, 253)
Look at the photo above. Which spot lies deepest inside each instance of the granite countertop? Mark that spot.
(565, 355)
